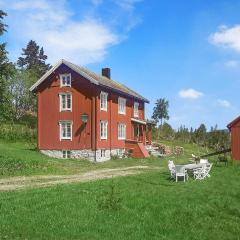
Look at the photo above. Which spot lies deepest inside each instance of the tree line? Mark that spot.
(215, 138)
(16, 78)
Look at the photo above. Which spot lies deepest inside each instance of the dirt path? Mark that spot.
(16, 183)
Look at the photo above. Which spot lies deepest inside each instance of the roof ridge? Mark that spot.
(92, 77)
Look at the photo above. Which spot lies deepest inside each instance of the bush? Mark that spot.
(109, 199)
(16, 132)
(13, 165)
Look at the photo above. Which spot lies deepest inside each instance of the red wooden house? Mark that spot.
(234, 128)
(85, 115)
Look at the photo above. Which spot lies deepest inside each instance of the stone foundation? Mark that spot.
(100, 155)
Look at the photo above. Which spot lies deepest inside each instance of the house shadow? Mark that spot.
(164, 176)
(80, 131)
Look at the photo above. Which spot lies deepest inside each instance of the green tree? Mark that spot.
(21, 98)
(6, 69)
(160, 110)
(201, 135)
(33, 65)
(167, 132)
(33, 59)
(183, 134)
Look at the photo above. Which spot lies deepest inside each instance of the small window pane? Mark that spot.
(103, 129)
(121, 131)
(121, 105)
(66, 102)
(65, 79)
(136, 106)
(66, 130)
(103, 101)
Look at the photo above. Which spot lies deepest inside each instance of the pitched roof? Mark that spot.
(93, 78)
(233, 122)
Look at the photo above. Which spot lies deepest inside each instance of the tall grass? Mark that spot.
(17, 132)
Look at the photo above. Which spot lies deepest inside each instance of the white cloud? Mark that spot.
(224, 103)
(190, 93)
(227, 37)
(97, 2)
(53, 25)
(232, 64)
(127, 4)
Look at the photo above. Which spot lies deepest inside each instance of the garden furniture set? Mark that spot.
(199, 170)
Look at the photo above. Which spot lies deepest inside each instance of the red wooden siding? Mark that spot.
(49, 114)
(85, 99)
(235, 138)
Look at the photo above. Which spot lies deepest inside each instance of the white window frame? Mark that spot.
(103, 101)
(136, 109)
(61, 130)
(62, 84)
(61, 109)
(121, 131)
(103, 153)
(103, 129)
(121, 105)
(66, 154)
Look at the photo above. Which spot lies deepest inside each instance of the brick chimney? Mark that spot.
(106, 72)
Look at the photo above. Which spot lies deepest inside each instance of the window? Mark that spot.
(66, 130)
(121, 152)
(66, 154)
(103, 129)
(121, 105)
(121, 131)
(136, 105)
(103, 101)
(103, 153)
(65, 102)
(65, 80)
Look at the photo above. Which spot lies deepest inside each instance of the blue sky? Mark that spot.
(185, 51)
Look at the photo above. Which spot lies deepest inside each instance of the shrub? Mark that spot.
(15, 132)
(109, 199)
(13, 165)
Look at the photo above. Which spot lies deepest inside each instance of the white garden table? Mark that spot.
(193, 166)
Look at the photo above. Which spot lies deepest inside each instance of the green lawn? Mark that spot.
(150, 207)
(145, 206)
(18, 159)
(21, 159)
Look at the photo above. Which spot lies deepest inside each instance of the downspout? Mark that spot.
(95, 139)
(38, 121)
(110, 124)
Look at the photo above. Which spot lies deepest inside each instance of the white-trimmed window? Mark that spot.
(65, 102)
(65, 80)
(65, 130)
(103, 153)
(121, 131)
(121, 152)
(66, 154)
(121, 105)
(103, 101)
(136, 106)
(103, 129)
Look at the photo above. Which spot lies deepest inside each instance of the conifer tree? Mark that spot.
(6, 69)
(34, 59)
(160, 110)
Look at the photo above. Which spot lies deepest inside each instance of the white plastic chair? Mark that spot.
(180, 172)
(202, 172)
(171, 167)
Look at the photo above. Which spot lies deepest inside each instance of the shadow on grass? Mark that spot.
(167, 181)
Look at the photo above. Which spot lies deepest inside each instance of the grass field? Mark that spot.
(149, 207)
(145, 206)
(19, 158)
